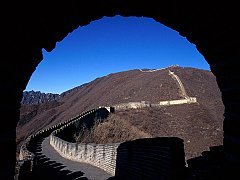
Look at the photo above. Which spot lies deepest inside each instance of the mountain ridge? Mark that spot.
(133, 86)
(38, 97)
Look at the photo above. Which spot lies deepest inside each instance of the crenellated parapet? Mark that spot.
(27, 156)
(144, 104)
(99, 155)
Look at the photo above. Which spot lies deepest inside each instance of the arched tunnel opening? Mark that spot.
(214, 33)
(143, 71)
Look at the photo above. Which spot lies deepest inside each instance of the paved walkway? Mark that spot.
(91, 172)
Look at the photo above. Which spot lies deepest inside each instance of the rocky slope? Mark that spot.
(37, 97)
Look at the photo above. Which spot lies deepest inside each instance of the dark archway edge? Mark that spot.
(27, 27)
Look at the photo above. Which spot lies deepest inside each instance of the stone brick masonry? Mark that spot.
(99, 155)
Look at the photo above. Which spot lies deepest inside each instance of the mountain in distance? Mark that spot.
(37, 97)
(199, 124)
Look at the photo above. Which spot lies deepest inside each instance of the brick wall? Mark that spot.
(99, 155)
(144, 104)
(151, 158)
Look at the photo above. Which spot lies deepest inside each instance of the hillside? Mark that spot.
(196, 129)
(136, 85)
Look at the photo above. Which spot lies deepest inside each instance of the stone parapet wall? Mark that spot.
(151, 158)
(179, 101)
(180, 84)
(27, 157)
(99, 155)
(144, 104)
(132, 105)
(26, 154)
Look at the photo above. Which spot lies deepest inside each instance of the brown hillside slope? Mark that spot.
(130, 86)
(191, 122)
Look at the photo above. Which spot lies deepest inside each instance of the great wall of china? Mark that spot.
(211, 28)
(186, 99)
(112, 158)
(99, 155)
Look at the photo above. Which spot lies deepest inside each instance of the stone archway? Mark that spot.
(29, 27)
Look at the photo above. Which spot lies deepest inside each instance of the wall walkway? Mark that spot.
(99, 155)
(180, 84)
(90, 172)
(35, 165)
(143, 104)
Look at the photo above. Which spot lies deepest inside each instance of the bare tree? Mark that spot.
(78, 135)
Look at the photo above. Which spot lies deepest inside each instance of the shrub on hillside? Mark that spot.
(114, 129)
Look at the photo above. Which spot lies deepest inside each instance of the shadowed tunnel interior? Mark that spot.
(27, 27)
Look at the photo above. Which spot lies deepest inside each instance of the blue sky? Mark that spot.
(110, 45)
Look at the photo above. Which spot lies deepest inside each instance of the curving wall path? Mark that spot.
(143, 104)
(35, 165)
(47, 156)
(148, 158)
(89, 171)
(179, 83)
(99, 155)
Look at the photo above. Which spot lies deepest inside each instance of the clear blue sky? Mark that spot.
(109, 45)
